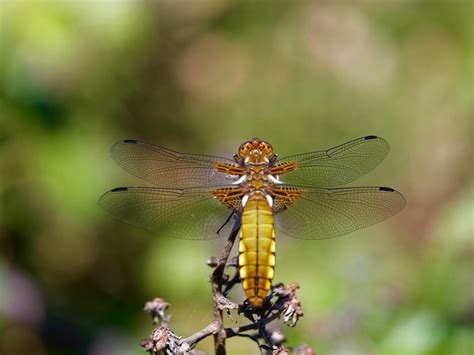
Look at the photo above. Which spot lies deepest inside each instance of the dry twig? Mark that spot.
(281, 303)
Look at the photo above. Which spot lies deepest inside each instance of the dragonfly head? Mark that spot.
(256, 151)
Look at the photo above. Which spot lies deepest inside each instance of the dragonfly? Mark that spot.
(196, 196)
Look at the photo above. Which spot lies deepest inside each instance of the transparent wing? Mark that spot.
(327, 213)
(336, 166)
(166, 168)
(179, 213)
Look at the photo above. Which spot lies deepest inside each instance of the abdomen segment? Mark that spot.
(257, 250)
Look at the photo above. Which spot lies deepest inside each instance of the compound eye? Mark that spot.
(245, 148)
(265, 148)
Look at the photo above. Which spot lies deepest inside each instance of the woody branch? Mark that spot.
(282, 303)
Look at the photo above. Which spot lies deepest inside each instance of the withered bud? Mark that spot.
(290, 304)
(277, 337)
(160, 339)
(280, 351)
(292, 311)
(157, 308)
(281, 290)
(304, 349)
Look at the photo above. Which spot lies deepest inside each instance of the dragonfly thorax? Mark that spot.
(257, 182)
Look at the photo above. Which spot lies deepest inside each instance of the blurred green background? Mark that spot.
(202, 76)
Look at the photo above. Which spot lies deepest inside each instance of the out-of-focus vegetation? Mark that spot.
(202, 76)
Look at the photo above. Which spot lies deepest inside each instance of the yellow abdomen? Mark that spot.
(257, 250)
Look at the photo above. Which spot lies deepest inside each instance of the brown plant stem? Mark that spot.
(217, 281)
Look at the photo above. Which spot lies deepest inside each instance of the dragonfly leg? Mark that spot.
(262, 331)
(236, 225)
(225, 223)
(231, 283)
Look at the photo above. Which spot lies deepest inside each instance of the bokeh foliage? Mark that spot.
(201, 76)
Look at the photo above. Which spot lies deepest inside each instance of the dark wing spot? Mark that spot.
(118, 189)
(130, 141)
(370, 137)
(388, 189)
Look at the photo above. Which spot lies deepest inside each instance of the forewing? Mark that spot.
(327, 213)
(166, 168)
(336, 166)
(179, 213)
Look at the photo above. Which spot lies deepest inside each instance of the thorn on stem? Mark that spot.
(212, 261)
